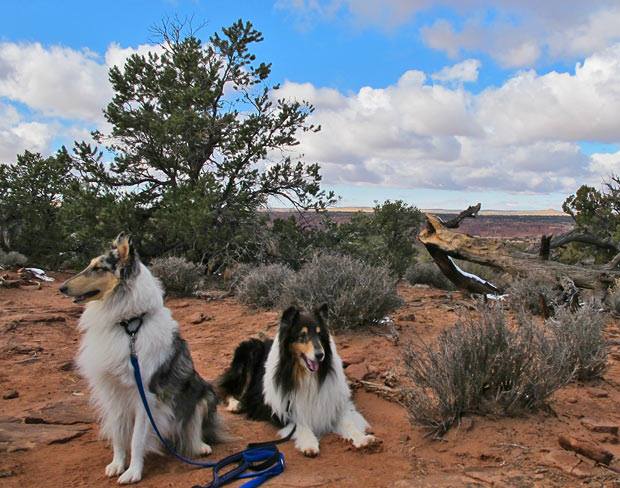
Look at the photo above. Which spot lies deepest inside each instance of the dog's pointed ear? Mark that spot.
(124, 247)
(322, 311)
(289, 317)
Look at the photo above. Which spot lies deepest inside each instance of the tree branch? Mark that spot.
(469, 212)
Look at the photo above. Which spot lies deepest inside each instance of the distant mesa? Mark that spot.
(550, 212)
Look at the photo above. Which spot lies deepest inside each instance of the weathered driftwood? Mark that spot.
(444, 244)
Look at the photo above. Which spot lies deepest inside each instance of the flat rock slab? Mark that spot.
(20, 437)
(600, 426)
(569, 463)
(64, 413)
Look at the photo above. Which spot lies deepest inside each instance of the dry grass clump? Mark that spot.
(263, 285)
(581, 334)
(178, 275)
(358, 294)
(533, 293)
(427, 273)
(483, 366)
(613, 299)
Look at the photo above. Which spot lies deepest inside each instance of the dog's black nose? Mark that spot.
(63, 289)
(319, 356)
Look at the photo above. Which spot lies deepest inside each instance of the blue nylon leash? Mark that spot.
(264, 462)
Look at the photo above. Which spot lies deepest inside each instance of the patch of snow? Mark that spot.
(39, 274)
(499, 298)
(469, 275)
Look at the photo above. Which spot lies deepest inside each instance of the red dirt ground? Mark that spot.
(48, 436)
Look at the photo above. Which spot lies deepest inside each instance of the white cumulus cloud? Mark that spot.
(521, 32)
(522, 136)
(64, 90)
(465, 71)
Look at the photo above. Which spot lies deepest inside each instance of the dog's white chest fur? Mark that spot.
(319, 407)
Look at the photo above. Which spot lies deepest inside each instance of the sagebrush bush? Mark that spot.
(483, 366)
(581, 334)
(262, 286)
(233, 274)
(613, 298)
(178, 275)
(12, 259)
(427, 273)
(358, 294)
(532, 292)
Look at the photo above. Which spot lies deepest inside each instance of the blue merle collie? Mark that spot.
(296, 381)
(116, 287)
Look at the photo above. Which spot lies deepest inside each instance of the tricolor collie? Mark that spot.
(117, 287)
(297, 381)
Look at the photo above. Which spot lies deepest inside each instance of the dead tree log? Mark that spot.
(445, 244)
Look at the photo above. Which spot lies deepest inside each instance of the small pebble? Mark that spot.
(9, 395)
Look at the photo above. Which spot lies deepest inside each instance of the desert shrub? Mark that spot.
(178, 275)
(613, 298)
(581, 334)
(530, 293)
(384, 237)
(233, 274)
(427, 273)
(358, 294)
(262, 286)
(483, 366)
(12, 259)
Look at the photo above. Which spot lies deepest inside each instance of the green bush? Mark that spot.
(483, 366)
(178, 275)
(384, 237)
(358, 294)
(427, 273)
(262, 286)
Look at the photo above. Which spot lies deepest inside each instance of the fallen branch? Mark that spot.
(583, 237)
(391, 394)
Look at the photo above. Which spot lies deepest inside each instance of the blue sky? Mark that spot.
(518, 118)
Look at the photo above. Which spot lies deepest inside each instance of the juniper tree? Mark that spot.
(202, 114)
(31, 193)
(197, 124)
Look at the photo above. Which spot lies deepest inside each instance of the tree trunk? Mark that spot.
(444, 244)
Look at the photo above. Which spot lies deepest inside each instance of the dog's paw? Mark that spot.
(205, 450)
(234, 405)
(368, 443)
(365, 441)
(132, 475)
(114, 468)
(310, 451)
